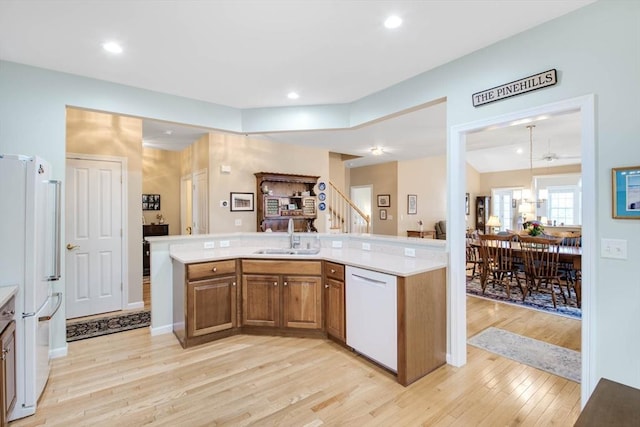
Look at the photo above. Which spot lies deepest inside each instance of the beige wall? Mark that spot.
(338, 172)
(427, 178)
(246, 156)
(519, 178)
(384, 179)
(161, 175)
(88, 132)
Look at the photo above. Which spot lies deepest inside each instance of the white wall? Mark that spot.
(595, 50)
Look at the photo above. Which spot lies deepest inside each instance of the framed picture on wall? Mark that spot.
(150, 202)
(626, 192)
(241, 202)
(466, 204)
(383, 214)
(412, 204)
(384, 200)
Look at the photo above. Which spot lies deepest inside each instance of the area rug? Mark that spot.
(550, 358)
(538, 300)
(107, 325)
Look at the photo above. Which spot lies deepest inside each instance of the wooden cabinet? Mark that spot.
(281, 197)
(483, 210)
(334, 308)
(282, 294)
(8, 361)
(150, 230)
(209, 305)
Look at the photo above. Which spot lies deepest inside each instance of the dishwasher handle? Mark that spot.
(368, 279)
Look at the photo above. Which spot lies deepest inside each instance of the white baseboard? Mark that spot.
(55, 353)
(167, 329)
(135, 305)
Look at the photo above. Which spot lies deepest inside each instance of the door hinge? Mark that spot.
(121, 287)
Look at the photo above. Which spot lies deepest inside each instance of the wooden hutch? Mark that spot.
(284, 196)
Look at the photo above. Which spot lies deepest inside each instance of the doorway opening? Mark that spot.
(456, 190)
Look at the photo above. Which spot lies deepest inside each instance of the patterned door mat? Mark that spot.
(107, 325)
(551, 358)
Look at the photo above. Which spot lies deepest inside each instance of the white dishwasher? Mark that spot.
(371, 306)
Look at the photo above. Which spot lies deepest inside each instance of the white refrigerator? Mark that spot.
(30, 260)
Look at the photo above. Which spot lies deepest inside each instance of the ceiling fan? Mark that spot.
(550, 156)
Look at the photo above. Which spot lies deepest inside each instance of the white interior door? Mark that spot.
(186, 205)
(94, 237)
(200, 202)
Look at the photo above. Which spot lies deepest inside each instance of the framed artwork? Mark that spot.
(384, 200)
(241, 202)
(383, 214)
(150, 202)
(466, 204)
(626, 192)
(412, 204)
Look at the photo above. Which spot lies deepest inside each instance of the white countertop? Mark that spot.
(379, 261)
(6, 292)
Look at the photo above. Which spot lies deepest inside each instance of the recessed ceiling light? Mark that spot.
(519, 151)
(392, 22)
(112, 47)
(293, 95)
(168, 132)
(377, 151)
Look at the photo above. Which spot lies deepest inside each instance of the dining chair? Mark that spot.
(497, 262)
(474, 260)
(569, 274)
(541, 256)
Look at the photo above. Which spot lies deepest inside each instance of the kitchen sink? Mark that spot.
(282, 251)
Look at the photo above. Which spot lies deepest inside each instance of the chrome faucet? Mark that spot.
(294, 241)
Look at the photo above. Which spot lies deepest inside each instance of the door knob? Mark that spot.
(71, 247)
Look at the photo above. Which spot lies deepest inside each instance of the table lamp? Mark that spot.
(493, 223)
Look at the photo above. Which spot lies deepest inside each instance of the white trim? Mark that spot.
(456, 173)
(161, 330)
(124, 194)
(56, 353)
(138, 305)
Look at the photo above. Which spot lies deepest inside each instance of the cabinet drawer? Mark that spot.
(281, 267)
(210, 269)
(334, 271)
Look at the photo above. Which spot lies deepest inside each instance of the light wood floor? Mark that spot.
(132, 379)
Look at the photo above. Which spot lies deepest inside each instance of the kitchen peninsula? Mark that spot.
(257, 291)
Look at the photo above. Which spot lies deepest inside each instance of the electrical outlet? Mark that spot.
(336, 243)
(366, 246)
(209, 245)
(225, 243)
(238, 222)
(409, 252)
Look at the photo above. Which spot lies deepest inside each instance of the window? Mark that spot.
(563, 206)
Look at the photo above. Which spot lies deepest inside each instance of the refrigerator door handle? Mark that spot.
(49, 317)
(56, 233)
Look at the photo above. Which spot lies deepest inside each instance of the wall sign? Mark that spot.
(518, 87)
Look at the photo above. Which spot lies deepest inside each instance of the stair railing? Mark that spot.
(345, 216)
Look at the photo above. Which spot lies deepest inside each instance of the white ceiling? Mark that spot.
(248, 54)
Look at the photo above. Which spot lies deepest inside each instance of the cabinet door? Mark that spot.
(302, 302)
(334, 308)
(8, 380)
(211, 305)
(260, 300)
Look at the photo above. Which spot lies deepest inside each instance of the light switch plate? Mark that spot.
(224, 243)
(366, 246)
(336, 243)
(209, 245)
(238, 222)
(409, 252)
(613, 248)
